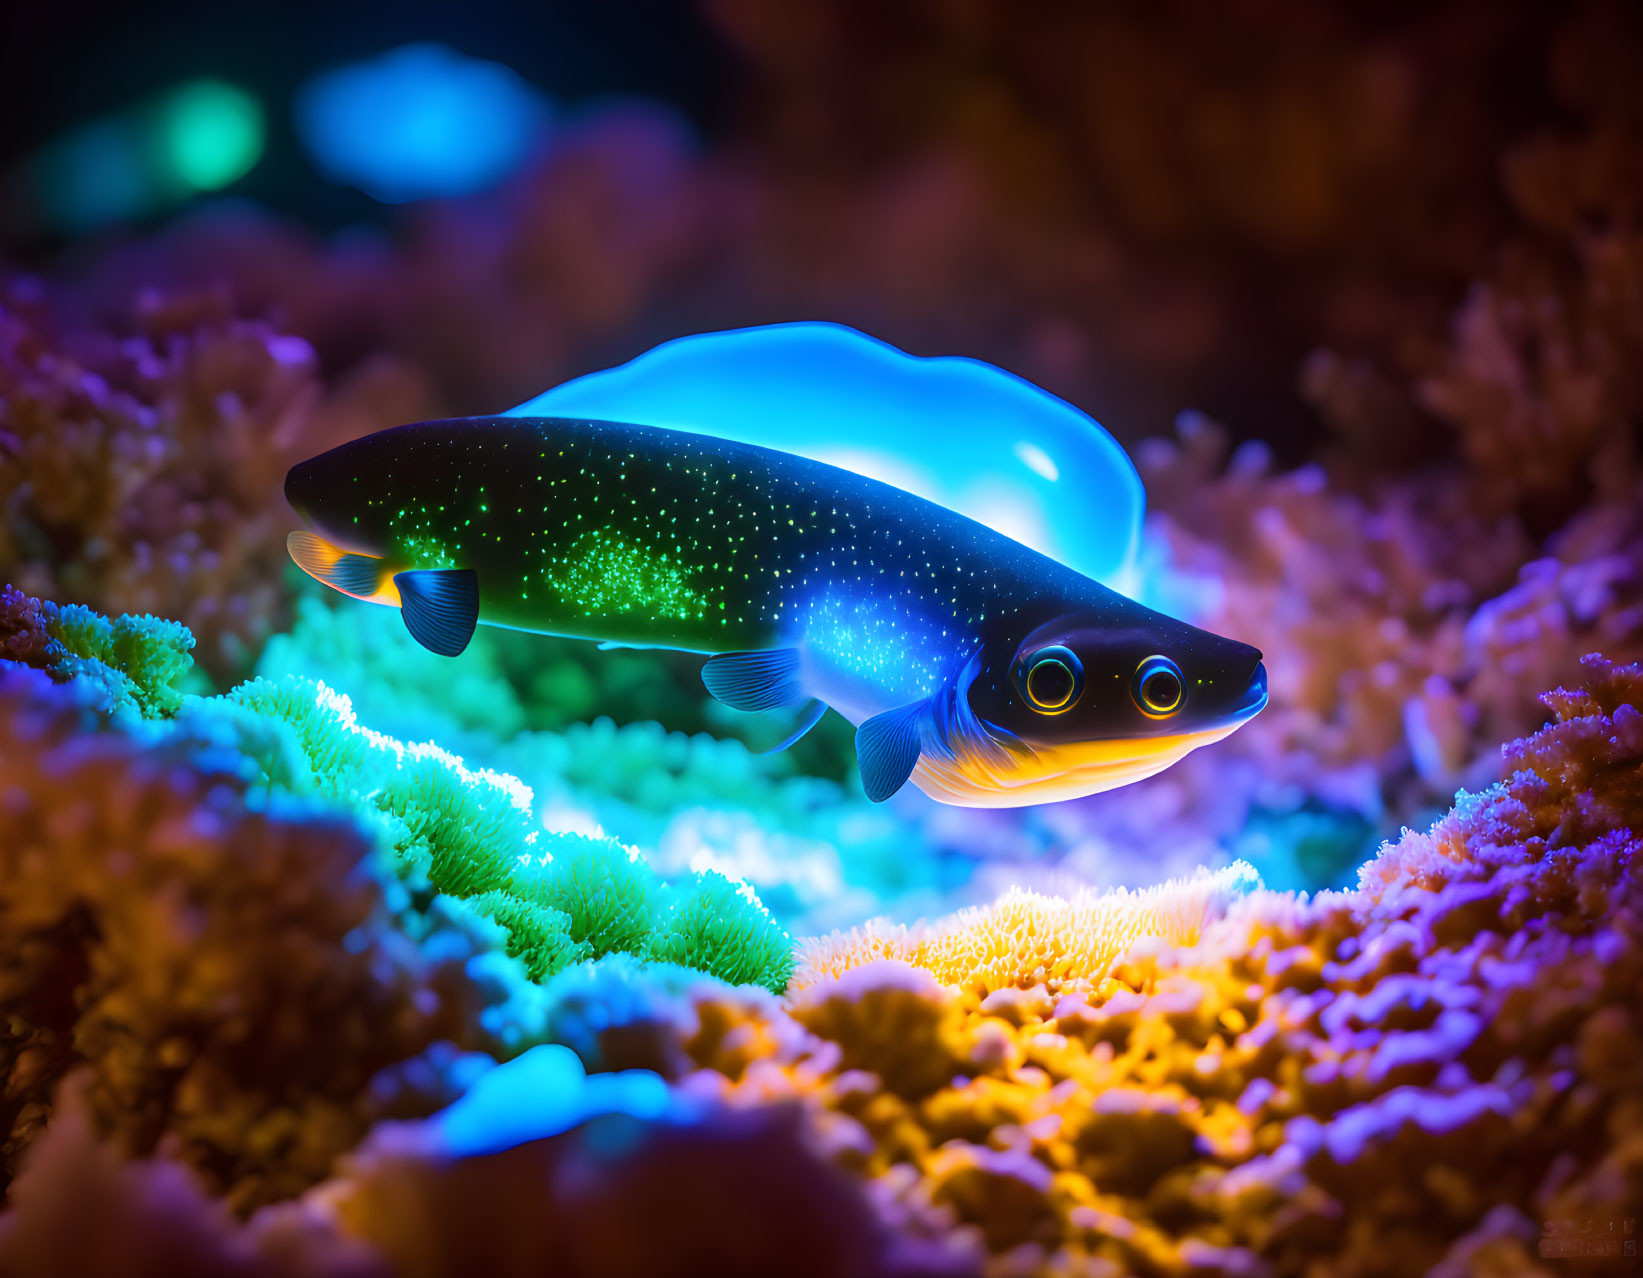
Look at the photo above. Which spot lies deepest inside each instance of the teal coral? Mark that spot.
(561, 897)
(153, 655)
(467, 833)
(138, 663)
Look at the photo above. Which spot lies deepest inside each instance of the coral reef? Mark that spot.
(215, 979)
(291, 989)
(469, 834)
(1299, 1083)
(1277, 1085)
(140, 468)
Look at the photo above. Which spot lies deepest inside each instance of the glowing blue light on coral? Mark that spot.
(959, 432)
(540, 1094)
(418, 121)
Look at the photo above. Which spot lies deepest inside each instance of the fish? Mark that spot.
(984, 672)
(960, 432)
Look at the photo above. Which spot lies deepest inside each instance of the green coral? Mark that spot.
(538, 935)
(470, 834)
(135, 665)
(152, 656)
(719, 927)
(611, 895)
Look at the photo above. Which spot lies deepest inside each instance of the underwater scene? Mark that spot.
(851, 640)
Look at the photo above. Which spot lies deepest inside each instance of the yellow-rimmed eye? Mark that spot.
(1051, 679)
(1158, 688)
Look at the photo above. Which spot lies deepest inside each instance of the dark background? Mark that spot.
(63, 63)
(1219, 163)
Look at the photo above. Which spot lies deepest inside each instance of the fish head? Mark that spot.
(344, 498)
(339, 493)
(1086, 702)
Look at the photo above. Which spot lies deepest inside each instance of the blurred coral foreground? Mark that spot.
(286, 996)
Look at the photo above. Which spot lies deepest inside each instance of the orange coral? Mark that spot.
(1027, 939)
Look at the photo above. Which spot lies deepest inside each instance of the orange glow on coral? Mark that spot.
(1026, 938)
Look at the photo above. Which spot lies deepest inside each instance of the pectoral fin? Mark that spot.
(357, 575)
(887, 750)
(755, 680)
(440, 606)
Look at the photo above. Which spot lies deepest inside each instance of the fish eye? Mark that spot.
(1051, 679)
(1158, 688)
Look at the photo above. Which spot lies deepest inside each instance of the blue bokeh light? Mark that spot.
(419, 121)
(959, 432)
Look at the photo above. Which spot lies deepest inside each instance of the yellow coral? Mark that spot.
(1026, 938)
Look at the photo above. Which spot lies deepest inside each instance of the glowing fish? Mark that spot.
(988, 673)
(964, 434)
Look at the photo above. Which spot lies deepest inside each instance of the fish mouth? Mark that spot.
(1254, 699)
(293, 491)
(1052, 773)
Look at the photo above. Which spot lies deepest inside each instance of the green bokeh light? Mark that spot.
(211, 133)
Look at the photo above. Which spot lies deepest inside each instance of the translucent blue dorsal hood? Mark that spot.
(964, 434)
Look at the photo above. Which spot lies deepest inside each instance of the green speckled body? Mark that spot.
(627, 534)
(880, 601)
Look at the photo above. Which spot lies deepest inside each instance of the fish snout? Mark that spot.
(1255, 692)
(299, 487)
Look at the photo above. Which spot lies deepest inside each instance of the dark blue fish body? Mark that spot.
(989, 673)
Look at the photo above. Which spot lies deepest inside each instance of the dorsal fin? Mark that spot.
(958, 432)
